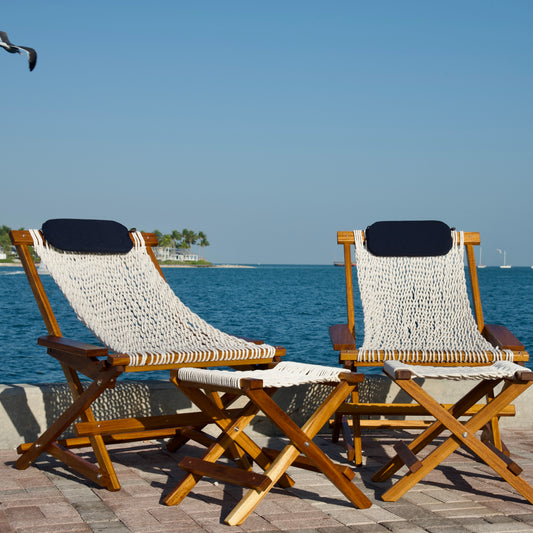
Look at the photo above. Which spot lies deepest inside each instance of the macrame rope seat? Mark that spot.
(417, 310)
(131, 309)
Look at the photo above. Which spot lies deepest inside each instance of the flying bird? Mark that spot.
(14, 49)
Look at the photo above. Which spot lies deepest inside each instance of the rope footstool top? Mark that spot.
(284, 374)
(498, 370)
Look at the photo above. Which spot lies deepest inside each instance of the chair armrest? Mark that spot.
(500, 336)
(71, 347)
(341, 337)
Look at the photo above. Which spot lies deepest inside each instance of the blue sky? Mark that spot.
(271, 125)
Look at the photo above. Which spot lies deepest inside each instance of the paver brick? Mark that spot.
(57, 528)
(21, 516)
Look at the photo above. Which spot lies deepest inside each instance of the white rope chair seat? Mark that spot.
(131, 309)
(497, 370)
(284, 374)
(417, 309)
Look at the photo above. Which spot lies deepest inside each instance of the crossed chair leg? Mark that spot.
(301, 451)
(101, 473)
(96, 434)
(349, 423)
(461, 434)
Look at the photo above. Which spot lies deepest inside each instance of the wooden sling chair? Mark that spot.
(112, 280)
(416, 309)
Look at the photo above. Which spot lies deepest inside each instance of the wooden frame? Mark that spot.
(102, 368)
(343, 337)
(301, 451)
(462, 434)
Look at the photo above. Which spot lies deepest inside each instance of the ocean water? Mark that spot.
(291, 306)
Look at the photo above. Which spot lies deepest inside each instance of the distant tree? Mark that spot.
(184, 239)
(189, 237)
(5, 241)
(176, 238)
(166, 241)
(202, 240)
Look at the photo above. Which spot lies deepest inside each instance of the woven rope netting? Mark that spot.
(417, 309)
(284, 374)
(130, 308)
(497, 370)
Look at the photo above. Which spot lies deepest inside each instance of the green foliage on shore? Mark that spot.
(199, 263)
(184, 239)
(5, 245)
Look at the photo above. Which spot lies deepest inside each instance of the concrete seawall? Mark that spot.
(27, 410)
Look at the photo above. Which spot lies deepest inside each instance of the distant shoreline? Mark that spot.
(19, 265)
(206, 266)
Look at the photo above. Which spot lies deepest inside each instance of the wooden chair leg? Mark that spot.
(491, 433)
(357, 441)
(336, 428)
(211, 407)
(213, 453)
(301, 442)
(351, 436)
(347, 435)
(434, 430)
(105, 475)
(211, 404)
(97, 442)
(356, 453)
(178, 440)
(462, 434)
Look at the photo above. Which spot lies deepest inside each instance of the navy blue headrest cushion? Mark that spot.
(410, 238)
(87, 236)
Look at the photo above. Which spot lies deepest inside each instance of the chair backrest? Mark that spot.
(415, 301)
(112, 280)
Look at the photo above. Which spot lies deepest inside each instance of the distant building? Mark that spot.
(174, 254)
(3, 255)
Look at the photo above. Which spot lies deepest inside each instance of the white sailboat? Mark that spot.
(480, 264)
(505, 265)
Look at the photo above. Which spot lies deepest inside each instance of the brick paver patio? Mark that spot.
(462, 495)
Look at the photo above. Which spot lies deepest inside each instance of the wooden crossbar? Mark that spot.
(408, 409)
(347, 237)
(225, 473)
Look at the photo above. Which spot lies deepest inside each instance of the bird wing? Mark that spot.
(4, 38)
(32, 55)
